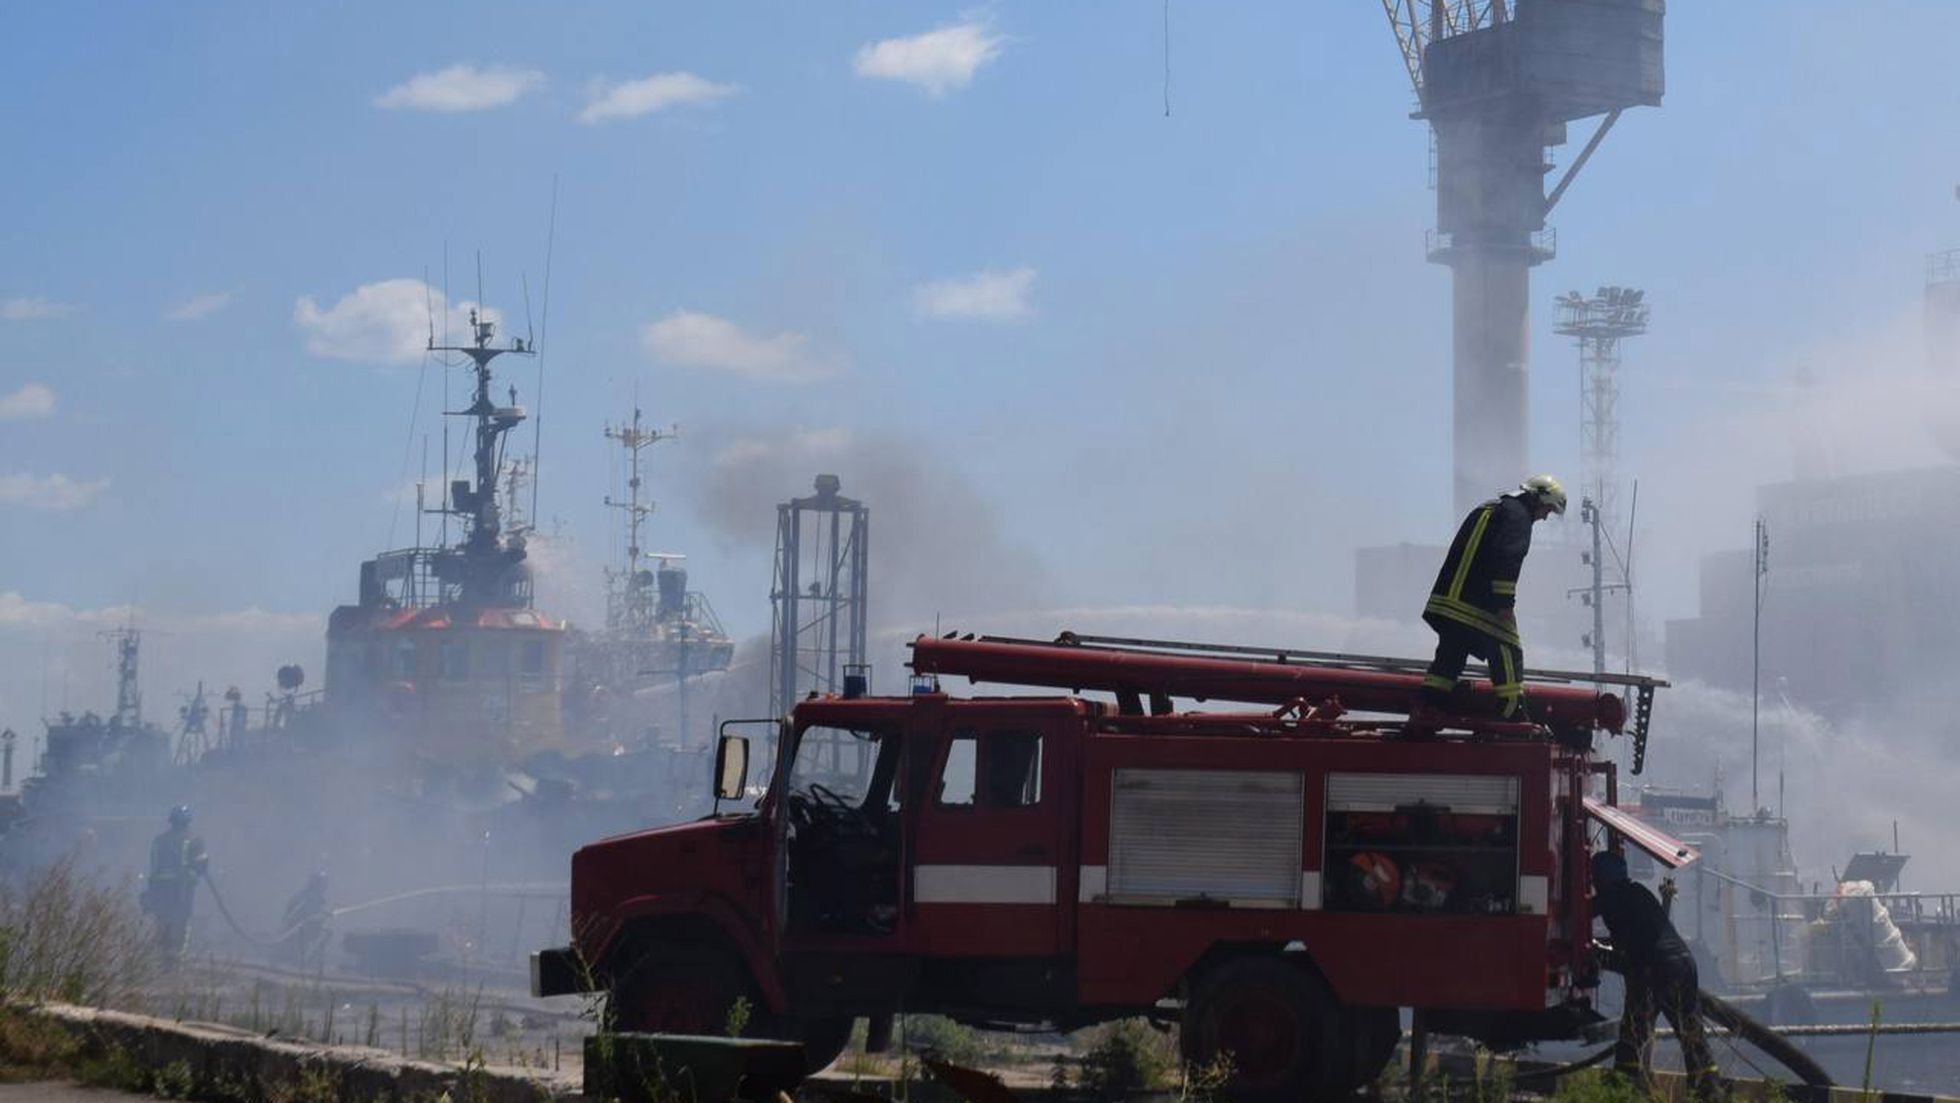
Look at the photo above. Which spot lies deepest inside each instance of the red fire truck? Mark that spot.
(1279, 880)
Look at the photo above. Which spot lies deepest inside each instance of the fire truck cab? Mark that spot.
(1279, 881)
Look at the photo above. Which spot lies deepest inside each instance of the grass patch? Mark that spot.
(65, 937)
(1125, 1057)
(31, 1048)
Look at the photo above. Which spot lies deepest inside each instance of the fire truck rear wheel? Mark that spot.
(1283, 1032)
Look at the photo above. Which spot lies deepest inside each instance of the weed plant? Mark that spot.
(65, 937)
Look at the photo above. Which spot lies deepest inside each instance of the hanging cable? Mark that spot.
(544, 332)
(1167, 59)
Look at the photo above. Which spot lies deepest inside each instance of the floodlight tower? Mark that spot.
(1497, 81)
(1599, 324)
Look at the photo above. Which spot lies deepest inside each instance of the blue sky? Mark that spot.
(1191, 360)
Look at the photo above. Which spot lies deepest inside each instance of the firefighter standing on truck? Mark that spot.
(1472, 605)
(1660, 976)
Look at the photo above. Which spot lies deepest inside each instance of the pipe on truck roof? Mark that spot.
(1080, 667)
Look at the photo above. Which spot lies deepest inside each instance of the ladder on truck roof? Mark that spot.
(1134, 669)
(1337, 659)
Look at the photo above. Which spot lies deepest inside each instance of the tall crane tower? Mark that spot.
(1498, 81)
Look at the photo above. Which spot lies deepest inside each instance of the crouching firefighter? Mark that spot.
(1660, 976)
(1472, 607)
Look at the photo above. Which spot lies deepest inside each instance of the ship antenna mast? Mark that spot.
(476, 502)
(630, 607)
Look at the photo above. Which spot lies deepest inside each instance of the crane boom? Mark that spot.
(1417, 23)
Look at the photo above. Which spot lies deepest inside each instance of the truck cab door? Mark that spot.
(992, 861)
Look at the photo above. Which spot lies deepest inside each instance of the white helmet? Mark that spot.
(1547, 490)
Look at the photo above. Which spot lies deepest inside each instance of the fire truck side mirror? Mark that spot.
(731, 767)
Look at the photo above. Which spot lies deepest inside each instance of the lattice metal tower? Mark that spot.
(1497, 81)
(129, 689)
(1599, 324)
(630, 596)
(819, 595)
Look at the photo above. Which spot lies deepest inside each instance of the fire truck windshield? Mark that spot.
(839, 766)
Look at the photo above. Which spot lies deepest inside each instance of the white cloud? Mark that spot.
(988, 296)
(33, 308)
(689, 339)
(56, 493)
(385, 323)
(462, 88)
(32, 400)
(18, 611)
(630, 99)
(938, 61)
(198, 306)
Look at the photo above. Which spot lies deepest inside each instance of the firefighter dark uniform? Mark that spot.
(1660, 973)
(177, 859)
(1471, 605)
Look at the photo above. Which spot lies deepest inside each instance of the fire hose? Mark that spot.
(549, 890)
(239, 929)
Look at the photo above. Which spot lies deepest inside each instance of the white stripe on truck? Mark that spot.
(983, 884)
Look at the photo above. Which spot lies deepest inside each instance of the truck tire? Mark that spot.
(824, 1040)
(1286, 1036)
(673, 994)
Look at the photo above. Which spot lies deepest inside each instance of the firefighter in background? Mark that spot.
(303, 937)
(177, 860)
(1660, 976)
(1472, 606)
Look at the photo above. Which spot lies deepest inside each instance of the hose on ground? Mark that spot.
(1556, 1071)
(239, 929)
(1725, 1014)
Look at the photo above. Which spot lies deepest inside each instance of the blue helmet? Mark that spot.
(1608, 867)
(180, 816)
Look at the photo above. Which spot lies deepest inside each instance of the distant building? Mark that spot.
(1862, 597)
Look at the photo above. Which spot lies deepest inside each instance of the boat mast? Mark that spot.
(629, 605)
(485, 551)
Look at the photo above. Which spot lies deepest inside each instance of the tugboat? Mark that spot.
(443, 650)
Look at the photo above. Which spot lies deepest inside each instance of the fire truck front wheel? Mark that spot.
(692, 994)
(703, 992)
(1285, 1035)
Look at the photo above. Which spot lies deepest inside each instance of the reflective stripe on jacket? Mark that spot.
(1478, 585)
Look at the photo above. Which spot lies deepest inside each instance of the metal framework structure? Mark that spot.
(486, 567)
(630, 598)
(820, 594)
(1599, 323)
(129, 690)
(1497, 81)
(1417, 23)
